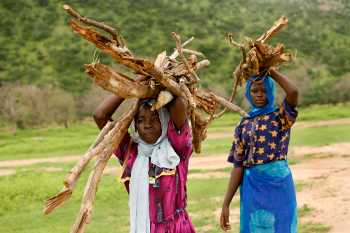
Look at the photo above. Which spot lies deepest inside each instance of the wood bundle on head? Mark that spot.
(163, 79)
(257, 56)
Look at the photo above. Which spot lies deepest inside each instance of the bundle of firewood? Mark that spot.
(258, 56)
(166, 77)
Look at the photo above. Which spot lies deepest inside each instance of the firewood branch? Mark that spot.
(183, 58)
(118, 83)
(112, 31)
(74, 174)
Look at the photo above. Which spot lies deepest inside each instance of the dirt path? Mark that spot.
(327, 191)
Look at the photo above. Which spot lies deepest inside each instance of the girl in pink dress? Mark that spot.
(155, 157)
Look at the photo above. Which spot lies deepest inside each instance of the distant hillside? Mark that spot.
(38, 47)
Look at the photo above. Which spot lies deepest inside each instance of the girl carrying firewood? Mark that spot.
(259, 155)
(155, 156)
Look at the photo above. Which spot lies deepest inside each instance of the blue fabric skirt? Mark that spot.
(268, 202)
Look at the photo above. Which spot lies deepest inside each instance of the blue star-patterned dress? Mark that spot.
(268, 202)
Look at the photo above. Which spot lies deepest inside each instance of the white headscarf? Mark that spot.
(162, 155)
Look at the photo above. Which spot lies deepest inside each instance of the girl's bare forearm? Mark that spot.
(178, 111)
(234, 183)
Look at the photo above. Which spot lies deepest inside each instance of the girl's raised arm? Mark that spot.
(178, 111)
(290, 89)
(105, 110)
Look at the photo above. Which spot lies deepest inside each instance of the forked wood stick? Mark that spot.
(234, 43)
(109, 47)
(183, 58)
(112, 31)
(74, 174)
(176, 52)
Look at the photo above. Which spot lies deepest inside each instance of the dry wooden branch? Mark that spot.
(74, 174)
(120, 54)
(257, 56)
(182, 56)
(161, 62)
(57, 200)
(114, 33)
(119, 83)
(229, 105)
(166, 81)
(202, 64)
(240, 46)
(111, 141)
(190, 51)
(176, 52)
(199, 131)
(205, 100)
(163, 98)
(278, 25)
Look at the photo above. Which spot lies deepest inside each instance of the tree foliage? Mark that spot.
(38, 47)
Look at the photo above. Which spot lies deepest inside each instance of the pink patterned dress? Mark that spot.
(167, 189)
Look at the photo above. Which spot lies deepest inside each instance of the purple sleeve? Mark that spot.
(181, 139)
(287, 115)
(120, 151)
(236, 155)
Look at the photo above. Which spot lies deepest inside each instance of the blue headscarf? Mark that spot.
(270, 94)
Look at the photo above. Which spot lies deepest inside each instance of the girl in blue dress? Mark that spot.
(259, 154)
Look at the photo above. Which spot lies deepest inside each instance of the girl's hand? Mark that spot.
(225, 218)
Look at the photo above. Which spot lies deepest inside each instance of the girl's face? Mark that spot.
(148, 124)
(258, 93)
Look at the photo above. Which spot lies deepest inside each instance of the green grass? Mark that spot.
(55, 141)
(22, 197)
(324, 112)
(305, 210)
(312, 227)
(320, 136)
